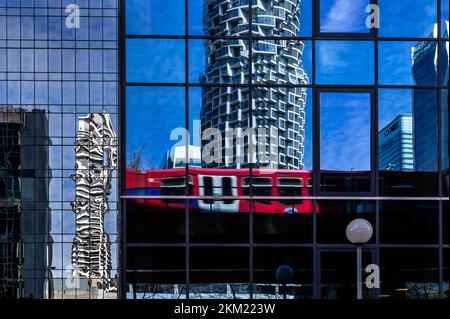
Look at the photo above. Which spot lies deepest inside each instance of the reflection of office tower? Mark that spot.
(396, 145)
(425, 56)
(95, 160)
(25, 241)
(280, 111)
(176, 158)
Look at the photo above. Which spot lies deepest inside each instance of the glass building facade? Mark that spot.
(215, 230)
(188, 150)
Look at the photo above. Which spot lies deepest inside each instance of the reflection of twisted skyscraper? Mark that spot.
(96, 158)
(280, 111)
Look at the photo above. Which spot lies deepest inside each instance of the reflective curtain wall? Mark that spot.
(254, 131)
(181, 149)
(58, 149)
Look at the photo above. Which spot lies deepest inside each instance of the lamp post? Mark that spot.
(359, 231)
(284, 274)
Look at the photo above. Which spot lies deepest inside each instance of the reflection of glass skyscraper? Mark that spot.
(25, 241)
(425, 57)
(396, 145)
(280, 111)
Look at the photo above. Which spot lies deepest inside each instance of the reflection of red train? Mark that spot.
(283, 185)
(277, 191)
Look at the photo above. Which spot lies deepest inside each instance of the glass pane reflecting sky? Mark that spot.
(153, 114)
(344, 62)
(343, 16)
(155, 17)
(345, 131)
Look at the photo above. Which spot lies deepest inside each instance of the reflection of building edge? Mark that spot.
(424, 60)
(96, 158)
(26, 244)
(280, 111)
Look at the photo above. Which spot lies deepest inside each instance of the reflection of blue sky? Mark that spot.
(196, 60)
(444, 14)
(154, 60)
(158, 17)
(395, 63)
(344, 62)
(306, 18)
(392, 102)
(308, 131)
(407, 18)
(195, 17)
(152, 113)
(345, 131)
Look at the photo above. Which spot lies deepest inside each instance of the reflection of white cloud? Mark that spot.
(331, 57)
(344, 14)
(349, 62)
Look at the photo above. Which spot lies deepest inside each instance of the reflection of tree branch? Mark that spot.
(181, 292)
(145, 292)
(233, 291)
(136, 158)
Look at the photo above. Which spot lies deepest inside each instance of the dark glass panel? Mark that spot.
(266, 263)
(409, 222)
(219, 273)
(155, 273)
(334, 216)
(409, 273)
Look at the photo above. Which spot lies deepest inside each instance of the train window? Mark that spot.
(191, 185)
(310, 186)
(262, 186)
(290, 187)
(208, 188)
(338, 182)
(227, 189)
(173, 183)
(290, 182)
(245, 186)
(173, 186)
(262, 181)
